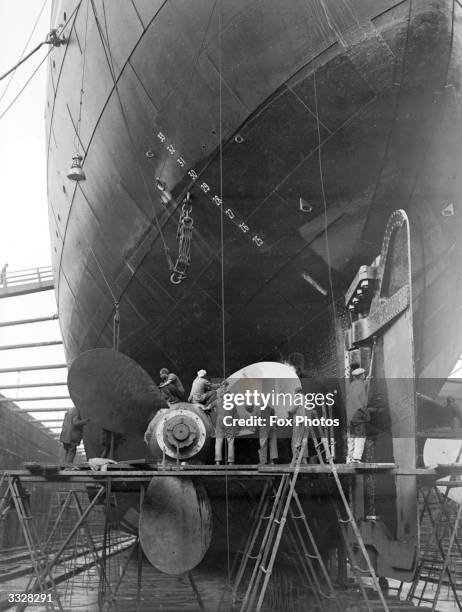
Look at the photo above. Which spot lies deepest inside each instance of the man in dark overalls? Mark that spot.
(71, 433)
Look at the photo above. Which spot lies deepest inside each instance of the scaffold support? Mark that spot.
(267, 532)
(15, 497)
(434, 564)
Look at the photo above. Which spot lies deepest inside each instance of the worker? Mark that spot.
(299, 432)
(110, 441)
(297, 361)
(455, 412)
(359, 415)
(223, 431)
(311, 385)
(203, 392)
(267, 437)
(171, 387)
(72, 433)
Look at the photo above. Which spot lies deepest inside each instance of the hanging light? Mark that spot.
(76, 172)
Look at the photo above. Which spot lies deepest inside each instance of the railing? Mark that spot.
(21, 277)
(25, 281)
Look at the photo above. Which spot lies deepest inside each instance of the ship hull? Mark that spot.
(386, 98)
(297, 128)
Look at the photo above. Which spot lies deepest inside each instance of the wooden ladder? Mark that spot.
(279, 508)
(15, 497)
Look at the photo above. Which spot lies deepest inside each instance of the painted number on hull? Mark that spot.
(245, 229)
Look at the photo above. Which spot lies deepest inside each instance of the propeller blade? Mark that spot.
(175, 524)
(113, 391)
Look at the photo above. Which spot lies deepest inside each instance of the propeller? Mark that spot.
(113, 391)
(175, 526)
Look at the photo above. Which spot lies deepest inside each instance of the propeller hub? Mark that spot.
(180, 431)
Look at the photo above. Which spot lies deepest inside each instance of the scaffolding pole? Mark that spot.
(53, 366)
(12, 347)
(6, 400)
(44, 409)
(27, 321)
(33, 385)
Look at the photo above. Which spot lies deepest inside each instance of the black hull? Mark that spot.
(387, 102)
(353, 108)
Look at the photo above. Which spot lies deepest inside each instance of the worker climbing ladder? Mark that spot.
(14, 497)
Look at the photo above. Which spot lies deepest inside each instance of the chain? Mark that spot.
(184, 236)
(116, 327)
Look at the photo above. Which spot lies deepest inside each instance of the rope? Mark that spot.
(24, 49)
(116, 329)
(323, 191)
(24, 59)
(192, 71)
(395, 114)
(54, 40)
(115, 301)
(25, 85)
(108, 54)
(222, 265)
(79, 120)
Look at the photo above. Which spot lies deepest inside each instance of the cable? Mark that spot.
(24, 59)
(193, 69)
(107, 53)
(25, 85)
(324, 199)
(222, 263)
(79, 120)
(393, 121)
(54, 40)
(24, 49)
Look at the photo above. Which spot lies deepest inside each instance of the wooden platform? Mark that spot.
(49, 473)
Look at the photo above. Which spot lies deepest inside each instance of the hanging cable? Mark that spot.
(192, 72)
(24, 86)
(323, 191)
(53, 38)
(116, 305)
(24, 49)
(84, 54)
(116, 328)
(108, 54)
(222, 257)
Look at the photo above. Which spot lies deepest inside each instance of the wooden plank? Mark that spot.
(253, 472)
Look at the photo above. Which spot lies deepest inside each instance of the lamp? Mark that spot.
(76, 172)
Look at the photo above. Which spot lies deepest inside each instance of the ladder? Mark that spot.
(14, 496)
(279, 508)
(434, 564)
(348, 524)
